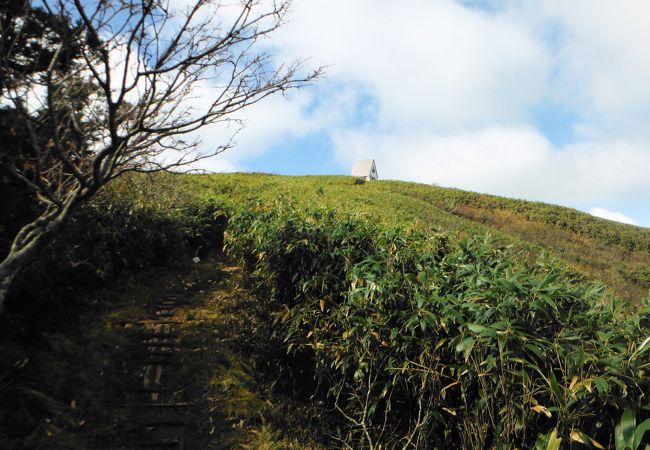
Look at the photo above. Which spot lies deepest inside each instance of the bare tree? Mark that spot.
(123, 85)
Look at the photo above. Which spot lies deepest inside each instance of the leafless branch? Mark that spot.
(117, 94)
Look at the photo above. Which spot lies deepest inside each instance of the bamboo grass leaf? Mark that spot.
(624, 431)
(640, 432)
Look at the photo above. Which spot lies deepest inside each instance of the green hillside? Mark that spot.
(338, 315)
(615, 253)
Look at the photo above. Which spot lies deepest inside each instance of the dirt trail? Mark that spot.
(156, 401)
(193, 370)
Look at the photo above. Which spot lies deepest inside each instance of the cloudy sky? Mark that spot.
(542, 100)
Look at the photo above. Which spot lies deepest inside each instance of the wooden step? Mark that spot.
(162, 405)
(170, 344)
(158, 322)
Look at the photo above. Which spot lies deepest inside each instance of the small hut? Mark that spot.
(365, 168)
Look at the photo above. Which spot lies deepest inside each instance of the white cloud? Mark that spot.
(436, 64)
(611, 215)
(442, 65)
(275, 119)
(511, 161)
(600, 59)
(455, 88)
(262, 126)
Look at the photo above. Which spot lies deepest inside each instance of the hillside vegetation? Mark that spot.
(393, 315)
(419, 342)
(423, 331)
(616, 253)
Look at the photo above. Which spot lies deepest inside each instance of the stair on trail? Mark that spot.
(155, 402)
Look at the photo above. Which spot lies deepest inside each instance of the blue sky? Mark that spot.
(543, 100)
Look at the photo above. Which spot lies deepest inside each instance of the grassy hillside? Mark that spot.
(422, 341)
(402, 302)
(615, 253)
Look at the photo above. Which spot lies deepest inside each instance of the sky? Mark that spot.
(542, 100)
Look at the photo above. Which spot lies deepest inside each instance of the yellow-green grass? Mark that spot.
(618, 254)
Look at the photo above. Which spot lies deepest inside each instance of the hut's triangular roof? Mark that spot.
(363, 167)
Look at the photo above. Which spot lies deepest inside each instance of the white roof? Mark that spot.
(363, 167)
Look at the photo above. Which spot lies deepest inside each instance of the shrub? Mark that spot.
(120, 232)
(113, 236)
(421, 344)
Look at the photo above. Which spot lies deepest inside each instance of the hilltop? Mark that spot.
(599, 249)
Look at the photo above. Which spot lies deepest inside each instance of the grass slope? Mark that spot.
(615, 253)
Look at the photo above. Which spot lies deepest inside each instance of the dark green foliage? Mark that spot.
(30, 36)
(416, 338)
(18, 205)
(31, 382)
(117, 234)
(112, 237)
(420, 343)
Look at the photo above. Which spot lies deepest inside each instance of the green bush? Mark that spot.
(116, 234)
(422, 344)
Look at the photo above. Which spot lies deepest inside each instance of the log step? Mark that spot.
(170, 344)
(158, 322)
(173, 443)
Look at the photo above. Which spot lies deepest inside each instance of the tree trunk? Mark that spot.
(21, 254)
(24, 250)
(19, 258)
